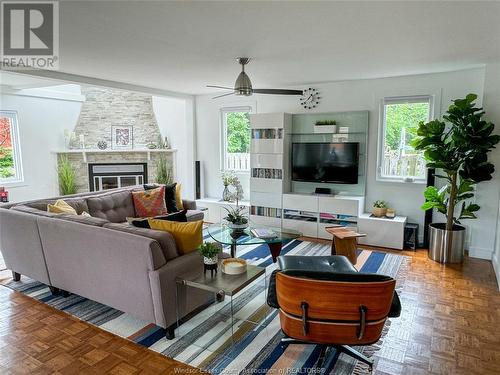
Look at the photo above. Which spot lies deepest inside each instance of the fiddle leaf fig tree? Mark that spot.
(458, 146)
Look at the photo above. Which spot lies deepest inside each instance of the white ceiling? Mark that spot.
(182, 46)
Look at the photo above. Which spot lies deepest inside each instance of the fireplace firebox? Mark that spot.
(104, 176)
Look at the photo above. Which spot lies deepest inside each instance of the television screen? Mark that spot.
(325, 162)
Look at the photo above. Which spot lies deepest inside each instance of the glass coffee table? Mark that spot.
(225, 235)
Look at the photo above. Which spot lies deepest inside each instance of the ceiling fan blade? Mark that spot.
(220, 96)
(221, 87)
(277, 91)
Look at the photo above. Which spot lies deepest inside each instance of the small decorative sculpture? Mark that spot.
(102, 145)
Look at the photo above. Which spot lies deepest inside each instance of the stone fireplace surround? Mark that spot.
(80, 160)
(104, 107)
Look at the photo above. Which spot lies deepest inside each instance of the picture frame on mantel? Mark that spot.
(122, 137)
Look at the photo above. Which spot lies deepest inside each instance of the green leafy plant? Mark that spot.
(459, 147)
(209, 249)
(6, 162)
(380, 204)
(163, 173)
(67, 176)
(326, 122)
(238, 132)
(235, 215)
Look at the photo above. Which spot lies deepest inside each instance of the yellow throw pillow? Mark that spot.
(61, 207)
(188, 236)
(178, 198)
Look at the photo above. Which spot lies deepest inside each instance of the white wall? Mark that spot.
(172, 116)
(42, 120)
(339, 96)
(488, 227)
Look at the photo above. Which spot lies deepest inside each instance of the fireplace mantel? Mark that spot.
(86, 151)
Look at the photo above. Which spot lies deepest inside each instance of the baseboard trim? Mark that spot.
(481, 253)
(495, 260)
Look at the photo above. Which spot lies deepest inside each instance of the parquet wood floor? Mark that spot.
(449, 325)
(38, 339)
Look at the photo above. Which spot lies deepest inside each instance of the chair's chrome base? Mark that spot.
(326, 360)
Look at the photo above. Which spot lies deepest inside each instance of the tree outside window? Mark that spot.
(398, 160)
(236, 139)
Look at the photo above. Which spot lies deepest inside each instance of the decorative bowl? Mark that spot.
(234, 266)
(379, 211)
(237, 226)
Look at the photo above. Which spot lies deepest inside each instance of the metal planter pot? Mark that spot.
(439, 239)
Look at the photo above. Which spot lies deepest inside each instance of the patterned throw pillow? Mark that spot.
(149, 203)
(170, 195)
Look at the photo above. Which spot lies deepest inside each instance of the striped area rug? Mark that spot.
(207, 341)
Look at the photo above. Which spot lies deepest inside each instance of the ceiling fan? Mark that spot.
(243, 85)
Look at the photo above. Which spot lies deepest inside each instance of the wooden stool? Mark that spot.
(344, 242)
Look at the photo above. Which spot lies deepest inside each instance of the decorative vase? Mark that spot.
(391, 213)
(210, 261)
(379, 211)
(440, 249)
(226, 194)
(210, 264)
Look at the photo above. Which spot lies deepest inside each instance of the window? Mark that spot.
(397, 159)
(10, 155)
(236, 139)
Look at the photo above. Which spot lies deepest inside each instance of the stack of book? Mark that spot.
(264, 233)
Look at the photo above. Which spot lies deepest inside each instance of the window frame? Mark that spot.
(223, 134)
(431, 99)
(16, 149)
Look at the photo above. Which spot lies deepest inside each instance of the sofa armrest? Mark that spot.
(189, 204)
(166, 290)
(165, 239)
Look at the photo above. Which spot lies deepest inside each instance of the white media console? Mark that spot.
(274, 204)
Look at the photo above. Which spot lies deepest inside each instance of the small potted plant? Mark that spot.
(236, 218)
(325, 126)
(210, 252)
(379, 208)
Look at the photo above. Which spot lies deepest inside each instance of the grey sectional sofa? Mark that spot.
(102, 257)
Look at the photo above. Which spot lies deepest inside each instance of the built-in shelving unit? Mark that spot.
(269, 159)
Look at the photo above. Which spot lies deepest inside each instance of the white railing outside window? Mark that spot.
(238, 161)
(235, 139)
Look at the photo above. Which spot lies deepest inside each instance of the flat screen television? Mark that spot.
(325, 162)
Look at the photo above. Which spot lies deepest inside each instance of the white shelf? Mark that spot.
(381, 231)
(86, 151)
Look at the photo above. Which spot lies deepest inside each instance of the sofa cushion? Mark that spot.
(144, 223)
(188, 236)
(170, 200)
(61, 207)
(84, 219)
(150, 203)
(166, 240)
(194, 215)
(178, 198)
(114, 207)
(79, 204)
